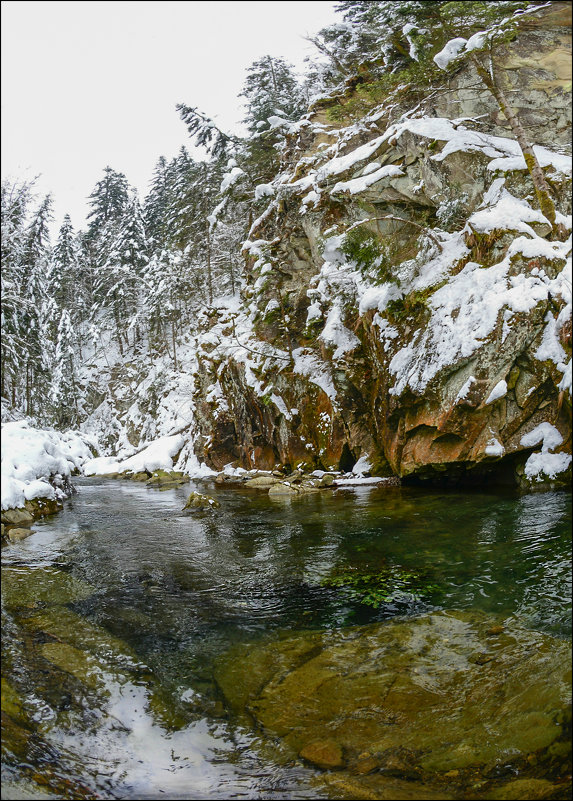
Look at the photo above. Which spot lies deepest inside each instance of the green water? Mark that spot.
(117, 611)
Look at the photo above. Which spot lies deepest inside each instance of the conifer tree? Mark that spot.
(157, 203)
(63, 391)
(15, 200)
(108, 201)
(32, 291)
(271, 90)
(64, 267)
(118, 279)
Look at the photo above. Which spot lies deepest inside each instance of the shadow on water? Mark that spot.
(117, 612)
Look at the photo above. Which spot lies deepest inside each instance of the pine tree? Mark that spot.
(119, 276)
(15, 200)
(63, 391)
(32, 291)
(64, 267)
(157, 204)
(108, 201)
(271, 90)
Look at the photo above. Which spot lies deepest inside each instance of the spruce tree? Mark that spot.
(108, 202)
(63, 391)
(271, 90)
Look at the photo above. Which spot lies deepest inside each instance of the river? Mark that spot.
(121, 615)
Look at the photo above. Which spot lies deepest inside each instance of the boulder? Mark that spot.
(16, 517)
(198, 501)
(16, 534)
(411, 699)
(325, 754)
(282, 488)
(262, 482)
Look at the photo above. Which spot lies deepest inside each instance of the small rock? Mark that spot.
(15, 516)
(262, 481)
(323, 753)
(365, 765)
(494, 630)
(327, 480)
(198, 501)
(15, 534)
(140, 476)
(524, 788)
(282, 488)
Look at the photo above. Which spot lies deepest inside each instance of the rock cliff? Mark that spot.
(406, 301)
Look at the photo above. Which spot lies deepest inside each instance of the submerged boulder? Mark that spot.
(437, 696)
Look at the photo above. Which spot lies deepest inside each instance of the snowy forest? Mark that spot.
(143, 269)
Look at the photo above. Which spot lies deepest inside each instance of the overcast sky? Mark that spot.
(95, 83)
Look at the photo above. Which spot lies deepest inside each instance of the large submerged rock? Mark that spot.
(435, 698)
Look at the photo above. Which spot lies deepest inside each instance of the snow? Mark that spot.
(476, 41)
(505, 153)
(545, 433)
(281, 406)
(550, 348)
(358, 481)
(499, 391)
(315, 370)
(494, 448)
(451, 51)
(231, 178)
(463, 393)
(311, 197)
(341, 164)
(465, 311)
(546, 158)
(543, 464)
(377, 297)
(158, 455)
(566, 381)
(264, 190)
(509, 213)
(357, 185)
(336, 334)
(362, 466)
(33, 460)
(314, 312)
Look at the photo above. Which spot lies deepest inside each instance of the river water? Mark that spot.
(118, 611)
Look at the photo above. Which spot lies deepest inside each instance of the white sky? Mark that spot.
(95, 83)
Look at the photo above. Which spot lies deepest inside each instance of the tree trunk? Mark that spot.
(540, 185)
(117, 328)
(232, 272)
(209, 272)
(174, 347)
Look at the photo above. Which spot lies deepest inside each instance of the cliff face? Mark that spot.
(406, 300)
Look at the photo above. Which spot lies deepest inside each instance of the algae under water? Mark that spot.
(149, 652)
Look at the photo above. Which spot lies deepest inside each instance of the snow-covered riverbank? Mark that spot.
(37, 463)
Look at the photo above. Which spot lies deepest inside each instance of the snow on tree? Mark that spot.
(271, 90)
(63, 391)
(108, 202)
(120, 271)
